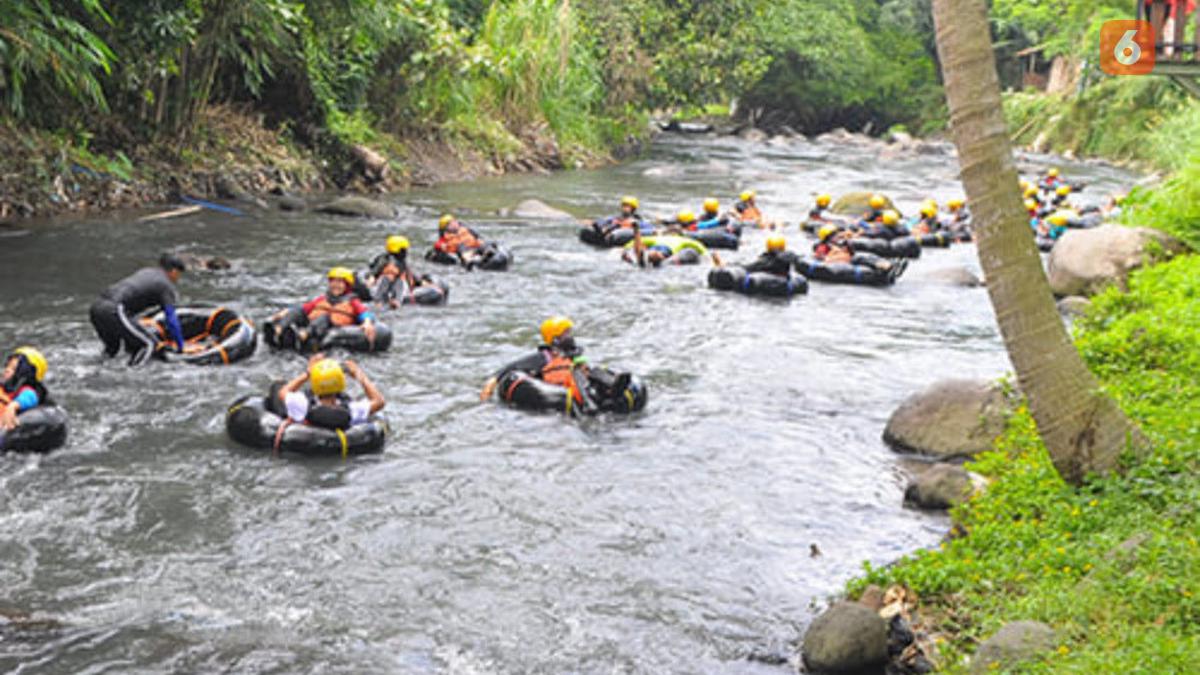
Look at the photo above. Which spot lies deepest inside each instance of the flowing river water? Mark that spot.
(696, 536)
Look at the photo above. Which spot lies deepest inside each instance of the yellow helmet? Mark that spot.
(35, 359)
(776, 243)
(929, 209)
(1119, 199)
(1030, 205)
(343, 273)
(1059, 219)
(890, 217)
(954, 204)
(686, 217)
(824, 200)
(326, 378)
(396, 243)
(747, 195)
(631, 202)
(1025, 185)
(1053, 172)
(1062, 190)
(711, 205)
(826, 232)
(1031, 191)
(445, 221)
(554, 327)
(877, 201)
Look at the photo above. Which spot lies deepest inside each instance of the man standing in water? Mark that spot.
(114, 315)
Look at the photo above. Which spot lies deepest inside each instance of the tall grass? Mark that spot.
(531, 71)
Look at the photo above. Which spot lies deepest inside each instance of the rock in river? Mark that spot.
(942, 486)
(1083, 262)
(846, 638)
(952, 418)
(532, 208)
(855, 203)
(351, 205)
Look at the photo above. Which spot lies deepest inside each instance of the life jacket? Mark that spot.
(328, 416)
(394, 270)
(749, 214)
(624, 222)
(340, 310)
(560, 370)
(13, 388)
(451, 242)
(817, 213)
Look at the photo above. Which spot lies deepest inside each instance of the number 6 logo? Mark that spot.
(1127, 47)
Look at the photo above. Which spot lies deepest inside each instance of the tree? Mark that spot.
(1083, 429)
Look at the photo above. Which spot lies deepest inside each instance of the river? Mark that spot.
(694, 537)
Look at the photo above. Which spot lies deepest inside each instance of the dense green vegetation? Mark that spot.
(495, 76)
(1111, 566)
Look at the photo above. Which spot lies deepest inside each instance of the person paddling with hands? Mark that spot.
(325, 403)
(21, 386)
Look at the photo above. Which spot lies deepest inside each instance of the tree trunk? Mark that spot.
(1083, 429)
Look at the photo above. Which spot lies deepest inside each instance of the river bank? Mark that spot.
(235, 157)
(1038, 576)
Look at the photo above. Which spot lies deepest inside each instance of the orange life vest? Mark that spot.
(750, 214)
(462, 238)
(560, 370)
(340, 313)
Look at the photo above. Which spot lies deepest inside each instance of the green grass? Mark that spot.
(1039, 549)
(1172, 206)
(1145, 120)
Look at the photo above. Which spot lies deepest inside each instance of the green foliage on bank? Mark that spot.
(1112, 565)
(1147, 120)
(1171, 206)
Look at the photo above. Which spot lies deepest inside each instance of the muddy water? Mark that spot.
(484, 539)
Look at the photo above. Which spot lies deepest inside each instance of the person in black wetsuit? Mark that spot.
(114, 315)
(776, 259)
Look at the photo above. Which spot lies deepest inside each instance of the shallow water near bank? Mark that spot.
(485, 539)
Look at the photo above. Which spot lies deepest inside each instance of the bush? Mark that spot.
(1112, 564)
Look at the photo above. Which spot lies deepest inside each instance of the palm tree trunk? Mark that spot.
(1083, 429)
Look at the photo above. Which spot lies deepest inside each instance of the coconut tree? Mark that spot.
(1083, 429)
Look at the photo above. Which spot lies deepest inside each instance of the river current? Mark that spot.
(694, 537)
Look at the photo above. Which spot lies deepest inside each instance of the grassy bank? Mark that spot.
(1147, 121)
(1112, 567)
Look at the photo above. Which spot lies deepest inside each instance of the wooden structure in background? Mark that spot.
(1175, 55)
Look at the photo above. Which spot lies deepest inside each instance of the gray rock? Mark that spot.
(752, 135)
(351, 205)
(1084, 262)
(1015, 642)
(953, 276)
(290, 203)
(952, 418)
(942, 486)
(855, 203)
(1074, 305)
(846, 638)
(532, 208)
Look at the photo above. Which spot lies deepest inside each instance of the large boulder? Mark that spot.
(532, 208)
(856, 203)
(952, 418)
(942, 486)
(846, 638)
(1084, 262)
(351, 205)
(1015, 642)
